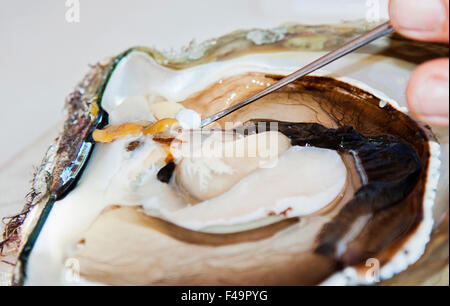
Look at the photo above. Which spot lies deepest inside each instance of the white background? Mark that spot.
(42, 56)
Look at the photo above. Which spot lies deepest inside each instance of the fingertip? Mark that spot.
(427, 92)
(421, 20)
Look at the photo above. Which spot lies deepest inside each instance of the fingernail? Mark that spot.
(431, 100)
(418, 16)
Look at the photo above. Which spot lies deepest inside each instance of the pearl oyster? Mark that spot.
(369, 174)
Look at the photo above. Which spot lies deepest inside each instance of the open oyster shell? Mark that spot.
(109, 83)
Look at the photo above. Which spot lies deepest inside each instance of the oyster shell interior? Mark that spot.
(349, 178)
